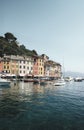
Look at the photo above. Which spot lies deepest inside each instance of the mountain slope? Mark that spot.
(10, 46)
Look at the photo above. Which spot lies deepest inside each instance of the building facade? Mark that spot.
(38, 67)
(26, 66)
(6, 64)
(52, 69)
(1, 65)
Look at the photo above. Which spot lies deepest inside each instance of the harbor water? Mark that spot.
(25, 106)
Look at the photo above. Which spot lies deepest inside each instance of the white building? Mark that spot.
(26, 66)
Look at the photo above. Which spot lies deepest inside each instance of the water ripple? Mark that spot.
(34, 107)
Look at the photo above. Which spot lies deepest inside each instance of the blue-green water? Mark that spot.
(33, 107)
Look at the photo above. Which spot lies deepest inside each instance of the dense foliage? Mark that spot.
(10, 46)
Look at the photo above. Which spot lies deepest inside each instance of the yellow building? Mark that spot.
(10, 65)
(14, 66)
(40, 66)
(6, 64)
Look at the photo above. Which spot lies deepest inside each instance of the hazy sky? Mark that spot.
(51, 27)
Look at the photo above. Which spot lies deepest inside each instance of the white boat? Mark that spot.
(4, 82)
(59, 82)
(68, 79)
(78, 79)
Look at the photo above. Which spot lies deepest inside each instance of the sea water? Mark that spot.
(25, 106)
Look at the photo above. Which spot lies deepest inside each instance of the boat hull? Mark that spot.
(4, 83)
(59, 84)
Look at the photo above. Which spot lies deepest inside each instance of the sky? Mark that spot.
(51, 27)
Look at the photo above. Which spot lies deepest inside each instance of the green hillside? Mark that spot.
(10, 46)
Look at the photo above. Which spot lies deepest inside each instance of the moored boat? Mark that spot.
(78, 79)
(68, 79)
(4, 82)
(59, 82)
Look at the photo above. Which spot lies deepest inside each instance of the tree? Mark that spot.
(10, 37)
(34, 52)
(14, 48)
(22, 47)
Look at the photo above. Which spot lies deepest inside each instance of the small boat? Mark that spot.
(78, 79)
(68, 79)
(59, 82)
(4, 82)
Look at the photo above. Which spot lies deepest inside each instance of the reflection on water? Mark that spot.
(25, 106)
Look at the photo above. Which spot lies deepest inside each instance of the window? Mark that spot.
(34, 60)
(4, 67)
(7, 67)
(24, 67)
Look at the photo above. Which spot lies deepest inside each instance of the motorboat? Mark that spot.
(78, 79)
(4, 82)
(68, 79)
(59, 82)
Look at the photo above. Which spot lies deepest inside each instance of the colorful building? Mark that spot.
(41, 66)
(26, 66)
(1, 65)
(52, 69)
(38, 67)
(14, 66)
(6, 64)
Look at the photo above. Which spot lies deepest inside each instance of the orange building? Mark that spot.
(6, 64)
(38, 68)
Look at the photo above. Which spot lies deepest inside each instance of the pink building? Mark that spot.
(1, 65)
